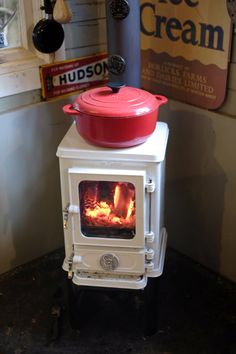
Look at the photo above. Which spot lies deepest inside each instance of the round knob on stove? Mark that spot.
(116, 64)
(119, 9)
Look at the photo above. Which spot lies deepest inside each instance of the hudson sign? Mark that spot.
(69, 76)
(185, 49)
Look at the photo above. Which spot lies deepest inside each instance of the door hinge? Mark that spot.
(149, 236)
(149, 256)
(69, 209)
(150, 186)
(149, 266)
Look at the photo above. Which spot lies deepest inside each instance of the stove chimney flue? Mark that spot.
(123, 41)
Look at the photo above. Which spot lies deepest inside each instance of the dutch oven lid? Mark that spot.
(116, 101)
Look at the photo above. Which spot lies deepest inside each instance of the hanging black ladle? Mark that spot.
(48, 35)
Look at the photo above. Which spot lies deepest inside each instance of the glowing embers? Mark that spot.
(107, 209)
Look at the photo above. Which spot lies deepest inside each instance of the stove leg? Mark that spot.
(74, 298)
(151, 306)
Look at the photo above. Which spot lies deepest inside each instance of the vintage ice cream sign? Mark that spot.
(185, 49)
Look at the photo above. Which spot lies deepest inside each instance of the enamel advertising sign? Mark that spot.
(185, 49)
(69, 76)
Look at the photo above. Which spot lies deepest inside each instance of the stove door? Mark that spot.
(107, 207)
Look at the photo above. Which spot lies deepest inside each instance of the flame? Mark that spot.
(116, 195)
(101, 209)
(119, 212)
(130, 209)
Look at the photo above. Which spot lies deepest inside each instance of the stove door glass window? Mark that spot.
(107, 209)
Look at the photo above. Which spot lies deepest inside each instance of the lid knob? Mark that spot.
(115, 86)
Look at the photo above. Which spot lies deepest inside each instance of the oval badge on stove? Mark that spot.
(109, 261)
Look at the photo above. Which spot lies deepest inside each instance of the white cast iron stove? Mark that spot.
(113, 211)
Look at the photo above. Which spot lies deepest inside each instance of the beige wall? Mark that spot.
(30, 204)
(201, 186)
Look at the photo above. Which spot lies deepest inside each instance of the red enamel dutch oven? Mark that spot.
(115, 116)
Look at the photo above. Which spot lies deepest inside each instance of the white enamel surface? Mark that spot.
(153, 150)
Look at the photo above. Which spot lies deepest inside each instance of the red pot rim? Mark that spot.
(128, 102)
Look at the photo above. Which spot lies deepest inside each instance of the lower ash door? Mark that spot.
(112, 261)
(108, 207)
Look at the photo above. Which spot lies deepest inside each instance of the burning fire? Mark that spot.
(116, 211)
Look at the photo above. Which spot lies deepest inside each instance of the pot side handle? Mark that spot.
(162, 99)
(69, 109)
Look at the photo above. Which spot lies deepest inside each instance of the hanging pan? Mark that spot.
(48, 34)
